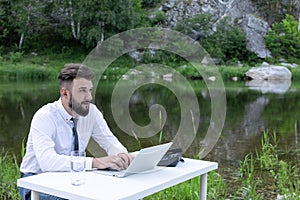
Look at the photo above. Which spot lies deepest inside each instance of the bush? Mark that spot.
(228, 44)
(284, 40)
(15, 57)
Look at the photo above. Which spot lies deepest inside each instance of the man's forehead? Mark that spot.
(82, 82)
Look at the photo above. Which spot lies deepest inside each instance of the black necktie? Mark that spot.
(76, 146)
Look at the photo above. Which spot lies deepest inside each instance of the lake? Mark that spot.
(251, 109)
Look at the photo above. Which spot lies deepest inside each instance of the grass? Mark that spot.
(260, 175)
(265, 176)
(16, 66)
(9, 173)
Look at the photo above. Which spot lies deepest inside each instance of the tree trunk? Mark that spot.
(21, 41)
(28, 13)
(101, 39)
(74, 31)
(299, 22)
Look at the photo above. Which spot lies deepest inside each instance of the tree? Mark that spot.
(41, 24)
(275, 10)
(284, 39)
(7, 33)
(227, 43)
(29, 19)
(297, 6)
(92, 21)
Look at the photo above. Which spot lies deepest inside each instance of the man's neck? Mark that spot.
(69, 110)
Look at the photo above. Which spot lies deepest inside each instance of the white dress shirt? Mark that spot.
(50, 139)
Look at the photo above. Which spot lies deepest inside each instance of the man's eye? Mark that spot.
(82, 90)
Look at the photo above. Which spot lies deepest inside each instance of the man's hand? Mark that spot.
(116, 162)
(126, 158)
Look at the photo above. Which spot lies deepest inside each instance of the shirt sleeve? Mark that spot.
(43, 132)
(104, 137)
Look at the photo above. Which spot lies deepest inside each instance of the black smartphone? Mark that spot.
(171, 157)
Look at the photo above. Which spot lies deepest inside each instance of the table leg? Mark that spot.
(203, 186)
(35, 195)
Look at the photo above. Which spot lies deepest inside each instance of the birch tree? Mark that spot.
(75, 26)
(297, 6)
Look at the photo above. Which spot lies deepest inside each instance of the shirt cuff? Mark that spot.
(89, 163)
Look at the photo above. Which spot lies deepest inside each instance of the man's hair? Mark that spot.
(72, 71)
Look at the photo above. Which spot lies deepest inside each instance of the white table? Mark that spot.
(137, 186)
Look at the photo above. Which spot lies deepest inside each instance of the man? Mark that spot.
(51, 137)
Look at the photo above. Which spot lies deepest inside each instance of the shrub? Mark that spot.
(284, 39)
(228, 44)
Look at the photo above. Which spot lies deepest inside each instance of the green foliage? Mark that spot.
(190, 189)
(228, 72)
(150, 3)
(227, 44)
(48, 25)
(275, 10)
(157, 18)
(287, 180)
(15, 57)
(284, 39)
(268, 157)
(8, 34)
(203, 22)
(9, 173)
(19, 66)
(295, 73)
(216, 186)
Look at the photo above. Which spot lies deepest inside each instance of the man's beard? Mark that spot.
(76, 106)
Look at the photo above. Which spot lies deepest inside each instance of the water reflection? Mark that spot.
(249, 113)
(270, 86)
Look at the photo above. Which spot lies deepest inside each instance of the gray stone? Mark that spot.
(256, 30)
(242, 12)
(289, 65)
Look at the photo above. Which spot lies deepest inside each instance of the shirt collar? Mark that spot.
(66, 116)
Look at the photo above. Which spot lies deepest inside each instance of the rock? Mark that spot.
(207, 60)
(168, 77)
(269, 73)
(137, 55)
(125, 77)
(289, 65)
(243, 12)
(239, 64)
(34, 53)
(235, 78)
(168, 5)
(212, 78)
(134, 72)
(256, 29)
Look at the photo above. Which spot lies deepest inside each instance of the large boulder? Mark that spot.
(270, 72)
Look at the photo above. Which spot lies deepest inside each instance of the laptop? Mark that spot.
(145, 160)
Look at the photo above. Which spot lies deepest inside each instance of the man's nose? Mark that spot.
(89, 96)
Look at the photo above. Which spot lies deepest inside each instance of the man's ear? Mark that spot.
(64, 92)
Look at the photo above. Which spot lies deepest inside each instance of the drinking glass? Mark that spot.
(77, 167)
